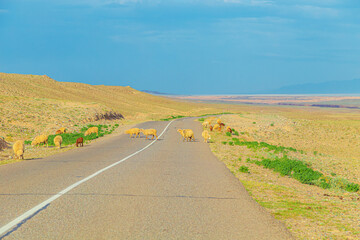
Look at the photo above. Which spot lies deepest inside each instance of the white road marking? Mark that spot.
(4, 229)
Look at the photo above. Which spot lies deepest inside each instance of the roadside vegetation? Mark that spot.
(301, 165)
(70, 138)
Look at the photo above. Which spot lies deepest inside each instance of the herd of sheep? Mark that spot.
(19, 146)
(186, 134)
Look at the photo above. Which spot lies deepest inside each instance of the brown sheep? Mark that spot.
(92, 130)
(222, 125)
(228, 129)
(58, 132)
(135, 131)
(211, 128)
(58, 141)
(19, 149)
(80, 142)
(40, 139)
(151, 132)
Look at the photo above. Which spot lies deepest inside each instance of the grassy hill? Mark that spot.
(130, 102)
(33, 104)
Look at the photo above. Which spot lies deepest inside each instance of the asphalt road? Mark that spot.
(170, 190)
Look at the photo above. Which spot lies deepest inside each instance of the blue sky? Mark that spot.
(183, 47)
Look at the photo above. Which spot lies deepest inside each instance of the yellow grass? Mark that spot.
(31, 105)
(330, 141)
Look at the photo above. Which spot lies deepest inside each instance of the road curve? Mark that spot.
(170, 190)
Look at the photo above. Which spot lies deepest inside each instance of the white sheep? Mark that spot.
(58, 141)
(40, 139)
(205, 134)
(19, 149)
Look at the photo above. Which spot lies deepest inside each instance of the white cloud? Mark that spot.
(318, 12)
(250, 2)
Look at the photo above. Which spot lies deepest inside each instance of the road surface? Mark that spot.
(169, 190)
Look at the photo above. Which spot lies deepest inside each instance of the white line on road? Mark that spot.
(4, 229)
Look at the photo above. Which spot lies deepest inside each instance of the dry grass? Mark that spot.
(31, 105)
(330, 143)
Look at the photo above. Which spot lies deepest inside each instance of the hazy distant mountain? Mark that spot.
(156, 92)
(333, 87)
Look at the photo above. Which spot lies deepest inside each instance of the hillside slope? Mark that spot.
(128, 101)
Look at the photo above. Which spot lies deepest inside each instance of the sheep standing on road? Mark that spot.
(205, 134)
(149, 132)
(19, 149)
(58, 141)
(40, 139)
(133, 131)
(92, 130)
(187, 134)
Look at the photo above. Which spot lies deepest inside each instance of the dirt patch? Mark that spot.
(3, 144)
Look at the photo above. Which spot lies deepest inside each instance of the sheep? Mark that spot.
(80, 142)
(205, 134)
(19, 149)
(61, 131)
(182, 133)
(222, 125)
(187, 134)
(40, 139)
(211, 128)
(58, 141)
(206, 124)
(132, 131)
(217, 127)
(92, 130)
(228, 129)
(148, 132)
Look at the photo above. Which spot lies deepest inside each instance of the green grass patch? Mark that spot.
(70, 138)
(209, 114)
(244, 169)
(301, 171)
(263, 145)
(172, 118)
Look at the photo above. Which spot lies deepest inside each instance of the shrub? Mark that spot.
(231, 143)
(228, 134)
(244, 169)
(201, 119)
(224, 142)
